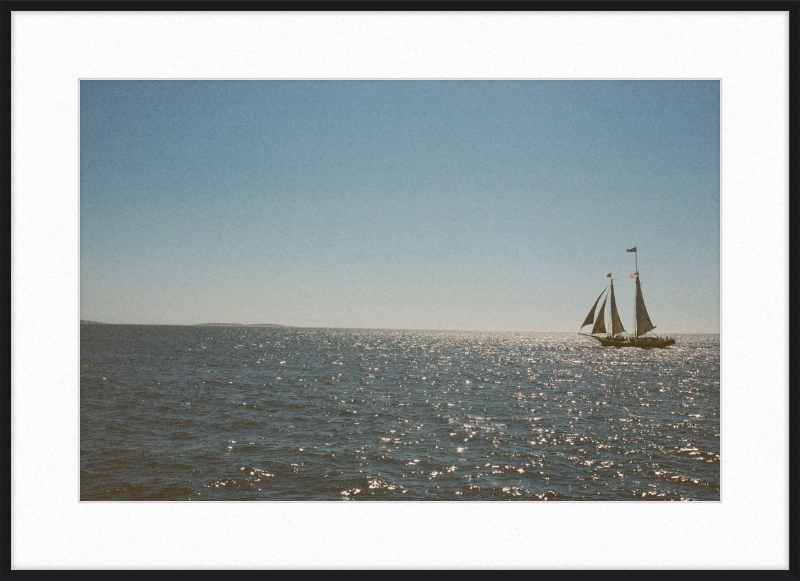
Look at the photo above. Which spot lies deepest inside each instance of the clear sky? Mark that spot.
(476, 205)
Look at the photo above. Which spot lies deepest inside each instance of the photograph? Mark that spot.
(458, 290)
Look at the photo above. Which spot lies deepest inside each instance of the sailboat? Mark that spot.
(642, 322)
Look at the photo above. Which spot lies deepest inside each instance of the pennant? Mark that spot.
(608, 275)
(635, 275)
(631, 249)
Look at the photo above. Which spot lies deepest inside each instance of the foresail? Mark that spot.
(600, 323)
(616, 323)
(643, 324)
(590, 317)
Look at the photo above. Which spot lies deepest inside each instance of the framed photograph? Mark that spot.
(322, 289)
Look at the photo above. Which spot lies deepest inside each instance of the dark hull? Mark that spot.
(640, 342)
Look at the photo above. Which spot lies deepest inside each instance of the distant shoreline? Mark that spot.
(85, 322)
(235, 325)
(273, 325)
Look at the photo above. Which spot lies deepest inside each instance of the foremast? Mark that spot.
(599, 323)
(616, 322)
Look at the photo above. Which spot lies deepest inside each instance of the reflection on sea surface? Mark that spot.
(226, 413)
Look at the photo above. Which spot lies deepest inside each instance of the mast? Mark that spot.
(616, 323)
(643, 323)
(636, 262)
(636, 276)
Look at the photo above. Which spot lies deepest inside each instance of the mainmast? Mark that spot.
(636, 276)
(643, 322)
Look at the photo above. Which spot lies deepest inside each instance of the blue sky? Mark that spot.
(476, 205)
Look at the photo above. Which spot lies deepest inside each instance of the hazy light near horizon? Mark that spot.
(474, 205)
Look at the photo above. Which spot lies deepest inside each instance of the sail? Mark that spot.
(600, 323)
(616, 323)
(590, 317)
(643, 324)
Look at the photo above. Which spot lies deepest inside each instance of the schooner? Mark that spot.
(642, 323)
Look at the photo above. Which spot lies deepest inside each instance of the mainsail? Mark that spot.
(590, 317)
(616, 323)
(600, 323)
(643, 324)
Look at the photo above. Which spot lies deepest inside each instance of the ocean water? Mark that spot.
(233, 413)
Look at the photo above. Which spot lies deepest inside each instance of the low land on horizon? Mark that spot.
(236, 325)
(85, 322)
(273, 325)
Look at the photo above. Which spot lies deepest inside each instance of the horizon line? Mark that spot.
(276, 325)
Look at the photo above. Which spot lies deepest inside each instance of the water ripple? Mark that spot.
(204, 413)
